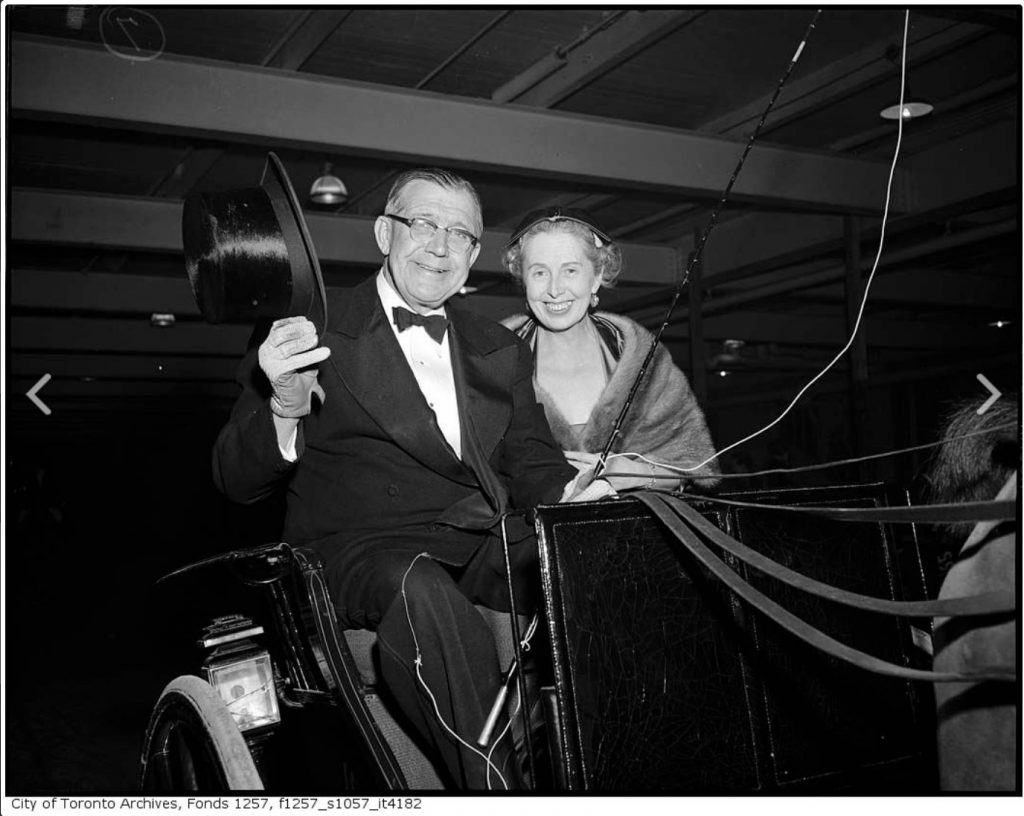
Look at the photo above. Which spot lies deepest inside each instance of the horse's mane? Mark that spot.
(975, 468)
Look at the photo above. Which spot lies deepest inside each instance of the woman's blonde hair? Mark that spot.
(605, 256)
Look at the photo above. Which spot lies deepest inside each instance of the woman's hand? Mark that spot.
(593, 489)
(581, 460)
(639, 473)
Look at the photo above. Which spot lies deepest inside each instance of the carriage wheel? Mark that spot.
(193, 743)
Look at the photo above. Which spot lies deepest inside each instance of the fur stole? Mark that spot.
(664, 423)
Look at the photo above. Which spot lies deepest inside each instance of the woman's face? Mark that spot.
(559, 279)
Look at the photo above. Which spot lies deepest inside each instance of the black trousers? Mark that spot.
(438, 656)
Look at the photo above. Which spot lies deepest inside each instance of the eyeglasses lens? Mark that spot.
(424, 231)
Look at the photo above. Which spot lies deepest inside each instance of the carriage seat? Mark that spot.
(419, 771)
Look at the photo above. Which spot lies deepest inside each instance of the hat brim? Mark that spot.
(554, 214)
(309, 298)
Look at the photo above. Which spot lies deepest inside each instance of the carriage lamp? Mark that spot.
(239, 668)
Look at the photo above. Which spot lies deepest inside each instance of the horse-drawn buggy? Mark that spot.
(681, 643)
(652, 670)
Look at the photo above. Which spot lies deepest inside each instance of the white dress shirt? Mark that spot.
(431, 364)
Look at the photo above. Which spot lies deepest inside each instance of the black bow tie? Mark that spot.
(436, 325)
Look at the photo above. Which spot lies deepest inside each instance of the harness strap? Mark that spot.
(809, 634)
(989, 603)
(924, 513)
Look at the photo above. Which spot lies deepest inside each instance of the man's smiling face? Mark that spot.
(427, 274)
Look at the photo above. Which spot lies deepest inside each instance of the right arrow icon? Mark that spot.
(995, 392)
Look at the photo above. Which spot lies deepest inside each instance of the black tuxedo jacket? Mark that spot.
(374, 470)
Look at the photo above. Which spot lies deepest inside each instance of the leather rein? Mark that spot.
(687, 526)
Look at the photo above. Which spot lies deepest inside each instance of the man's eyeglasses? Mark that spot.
(423, 231)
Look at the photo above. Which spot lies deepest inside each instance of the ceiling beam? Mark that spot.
(208, 99)
(97, 335)
(970, 166)
(61, 366)
(191, 168)
(811, 330)
(303, 38)
(1005, 18)
(925, 288)
(822, 273)
(601, 53)
(462, 49)
(827, 86)
(966, 171)
(927, 39)
(60, 392)
(154, 225)
(966, 168)
(117, 295)
(894, 375)
(290, 53)
(959, 113)
(100, 292)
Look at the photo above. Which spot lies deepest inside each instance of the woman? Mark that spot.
(586, 361)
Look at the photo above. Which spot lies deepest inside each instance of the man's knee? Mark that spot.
(366, 592)
(427, 590)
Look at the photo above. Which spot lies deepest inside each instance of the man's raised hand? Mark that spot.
(289, 357)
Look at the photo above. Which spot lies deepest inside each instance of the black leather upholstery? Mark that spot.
(665, 682)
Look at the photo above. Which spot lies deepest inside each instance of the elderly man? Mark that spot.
(424, 431)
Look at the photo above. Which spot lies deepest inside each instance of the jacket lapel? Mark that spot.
(482, 369)
(484, 409)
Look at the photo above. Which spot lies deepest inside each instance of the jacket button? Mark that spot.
(392, 490)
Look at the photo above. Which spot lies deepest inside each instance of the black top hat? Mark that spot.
(248, 253)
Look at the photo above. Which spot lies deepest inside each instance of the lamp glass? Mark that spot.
(246, 685)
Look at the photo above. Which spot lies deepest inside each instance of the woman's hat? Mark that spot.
(248, 253)
(558, 214)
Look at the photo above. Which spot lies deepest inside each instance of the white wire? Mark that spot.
(867, 286)
(674, 468)
(530, 631)
(437, 711)
(821, 465)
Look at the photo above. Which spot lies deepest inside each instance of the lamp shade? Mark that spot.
(910, 109)
(328, 189)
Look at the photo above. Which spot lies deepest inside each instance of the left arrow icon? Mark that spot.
(31, 394)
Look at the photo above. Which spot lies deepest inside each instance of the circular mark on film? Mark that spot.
(132, 34)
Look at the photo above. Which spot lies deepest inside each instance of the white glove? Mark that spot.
(289, 357)
(643, 473)
(592, 489)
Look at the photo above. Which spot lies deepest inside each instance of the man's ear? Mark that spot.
(473, 254)
(382, 232)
